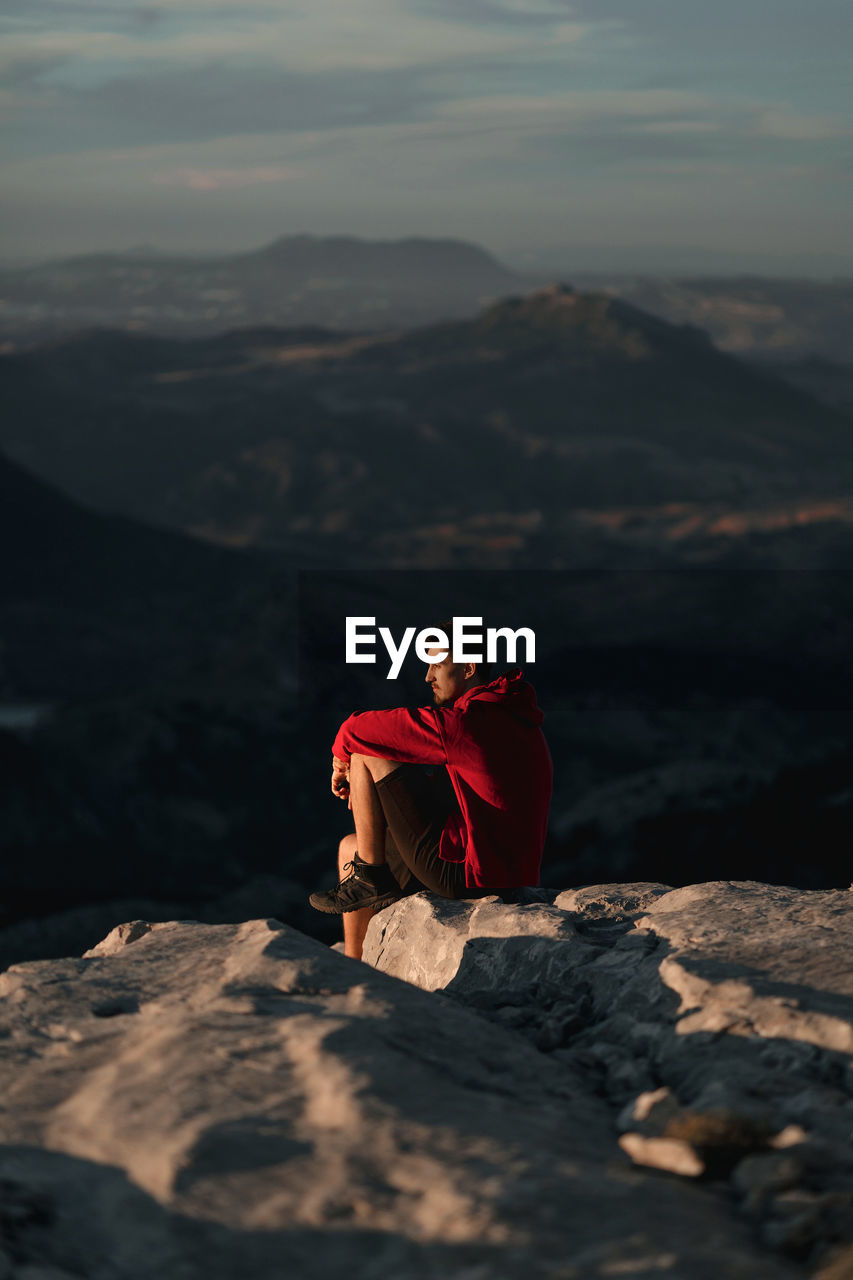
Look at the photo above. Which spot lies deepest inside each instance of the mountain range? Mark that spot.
(554, 428)
(776, 320)
(361, 285)
(342, 282)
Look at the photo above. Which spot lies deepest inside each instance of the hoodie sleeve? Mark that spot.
(413, 736)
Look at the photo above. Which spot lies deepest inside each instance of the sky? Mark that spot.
(620, 131)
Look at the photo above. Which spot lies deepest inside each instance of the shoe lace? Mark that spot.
(353, 868)
(356, 867)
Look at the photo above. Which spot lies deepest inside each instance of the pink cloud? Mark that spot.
(221, 179)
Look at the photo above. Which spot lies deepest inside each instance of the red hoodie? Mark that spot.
(492, 743)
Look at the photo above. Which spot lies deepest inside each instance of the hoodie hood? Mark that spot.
(512, 691)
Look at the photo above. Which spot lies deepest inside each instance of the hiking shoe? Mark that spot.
(365, 886)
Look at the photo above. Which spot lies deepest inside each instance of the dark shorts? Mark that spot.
(416, 804)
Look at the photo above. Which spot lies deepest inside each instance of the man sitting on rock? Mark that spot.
(472, 824)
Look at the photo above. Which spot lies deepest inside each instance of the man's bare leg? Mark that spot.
(355, 922)
(368, 816)
(368, 838)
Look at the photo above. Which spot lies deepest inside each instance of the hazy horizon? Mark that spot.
(639, 135)
(551, 261)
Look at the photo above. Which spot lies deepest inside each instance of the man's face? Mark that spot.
(445, 678)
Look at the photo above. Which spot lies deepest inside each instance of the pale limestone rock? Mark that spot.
(219, 1102)
(612, 899)
(427, 936)
(650, 1112)
(791, 1136)
(119, 938)
(733, 1002)
(782, 934)
(673, 1154)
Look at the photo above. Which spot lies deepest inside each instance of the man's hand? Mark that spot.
(340, 779)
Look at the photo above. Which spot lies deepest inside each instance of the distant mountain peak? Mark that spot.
(554, 306)
(598, 319)
(556, 292)
(412, 253)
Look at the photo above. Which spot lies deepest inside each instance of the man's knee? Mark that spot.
(377, 766)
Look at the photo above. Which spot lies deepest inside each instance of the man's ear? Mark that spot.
(469, 670)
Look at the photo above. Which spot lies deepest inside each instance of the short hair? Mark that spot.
(484, 669)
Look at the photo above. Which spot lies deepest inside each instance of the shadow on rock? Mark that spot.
(69, 1217)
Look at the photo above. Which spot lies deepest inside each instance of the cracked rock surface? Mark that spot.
(192, 1100)
(715, 1023)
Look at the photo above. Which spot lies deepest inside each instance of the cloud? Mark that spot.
(781, 122)
(267, 121)
(626, 113)
(221, 179)
(511, 13)
(728, 24)
(106, 13)
(676, 126)
(217, 101)
(514, 141)
(396, 107)
(330, 35)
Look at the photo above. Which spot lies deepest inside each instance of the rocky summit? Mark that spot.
(618, 1080)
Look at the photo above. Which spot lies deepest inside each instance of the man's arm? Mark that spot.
(412, 736)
